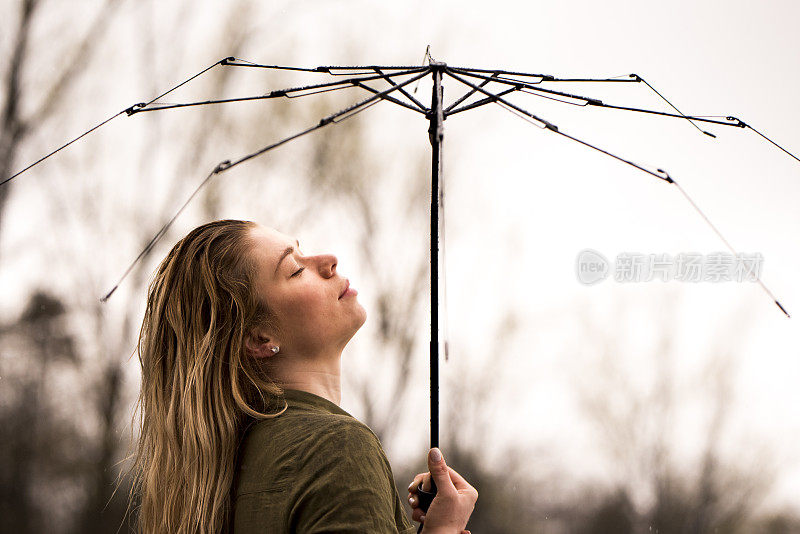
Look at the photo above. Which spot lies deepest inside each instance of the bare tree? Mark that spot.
(16, 121)
(636, 416)
(106, 335)
(31, 427)
(107, 332)
(343, 169)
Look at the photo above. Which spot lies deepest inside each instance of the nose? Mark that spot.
(327, 265)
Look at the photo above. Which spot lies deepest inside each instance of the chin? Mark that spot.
(362, 317)
(358, 322)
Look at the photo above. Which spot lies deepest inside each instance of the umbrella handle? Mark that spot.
(425, 498)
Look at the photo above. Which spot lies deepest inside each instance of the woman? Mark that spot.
(241, 430)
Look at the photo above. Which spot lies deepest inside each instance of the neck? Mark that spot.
(320, 375)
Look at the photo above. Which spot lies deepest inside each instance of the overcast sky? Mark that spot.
(523, 202)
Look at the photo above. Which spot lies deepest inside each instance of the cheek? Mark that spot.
(307, 308)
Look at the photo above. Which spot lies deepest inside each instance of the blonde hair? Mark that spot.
(199, 389)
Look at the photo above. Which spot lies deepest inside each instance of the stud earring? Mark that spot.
(275, 350)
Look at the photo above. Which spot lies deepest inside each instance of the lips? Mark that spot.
(346, 287)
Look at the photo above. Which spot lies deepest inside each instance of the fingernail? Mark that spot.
(436, 455)
(411, 501)
(421, 518)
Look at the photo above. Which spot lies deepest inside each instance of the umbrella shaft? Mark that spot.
(436, 132)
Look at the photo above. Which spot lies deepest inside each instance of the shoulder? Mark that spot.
(344, 456)
(299, 426)
(343, 482)
(310, 437)
(342, 439)
(342, 429)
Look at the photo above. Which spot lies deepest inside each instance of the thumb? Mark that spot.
(438, 469)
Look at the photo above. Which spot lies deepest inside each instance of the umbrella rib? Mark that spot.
(307, 89)
(625, 78)
(526, 85)
(599, 103)
(62, 147)
(147, 106)
(390, 98)
(464, 97)
(408, 95)
(333, 118)
(128, 111)
(184, 82)
(239, 62)
(323, 69)
(481, 102)
(366, 74)
(661, 174)
(765, 137)
(639, 78)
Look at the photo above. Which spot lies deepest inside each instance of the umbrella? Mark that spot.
(480, 86)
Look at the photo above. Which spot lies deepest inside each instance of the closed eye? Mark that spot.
(297, 272)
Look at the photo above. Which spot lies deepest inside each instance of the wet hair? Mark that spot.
(199, 387)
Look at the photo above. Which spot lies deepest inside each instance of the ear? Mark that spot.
(259, 345)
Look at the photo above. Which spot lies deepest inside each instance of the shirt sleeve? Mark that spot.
(344, 484)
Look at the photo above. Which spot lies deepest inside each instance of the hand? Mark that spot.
(454, 501)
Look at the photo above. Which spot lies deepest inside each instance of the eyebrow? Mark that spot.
(285, 253)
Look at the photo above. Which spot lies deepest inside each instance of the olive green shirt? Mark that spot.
(314, 469)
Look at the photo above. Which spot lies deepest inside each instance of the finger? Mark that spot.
(412, 488)
(439, 471)
(413, 501)
(426, 483)
(417, 515)
(458, 481)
